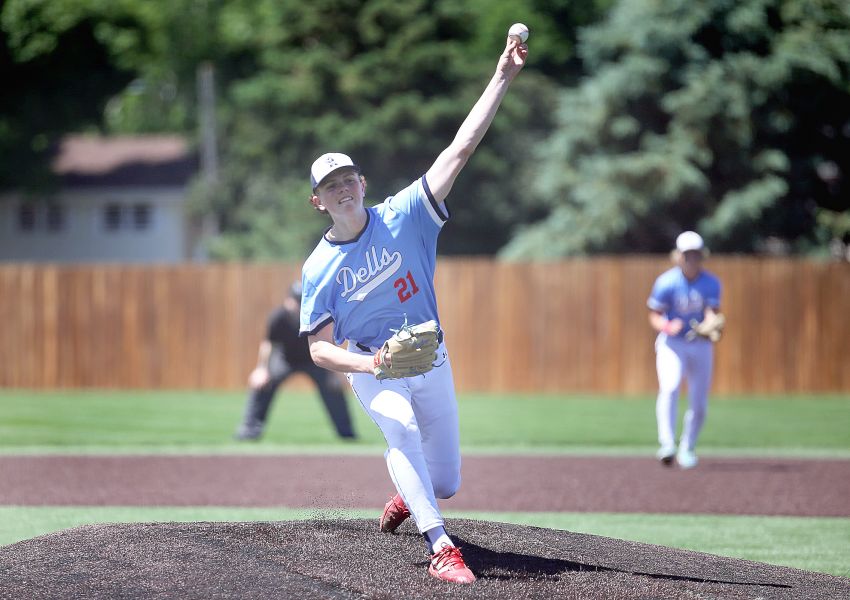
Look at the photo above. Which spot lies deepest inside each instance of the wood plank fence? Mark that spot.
(568, 326)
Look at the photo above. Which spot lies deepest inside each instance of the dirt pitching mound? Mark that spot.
(350, 559)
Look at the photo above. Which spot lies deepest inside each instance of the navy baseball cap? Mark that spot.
(327, 164)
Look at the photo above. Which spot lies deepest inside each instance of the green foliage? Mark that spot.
(718, 115)
(274, 218)
(387, 82)
(729, 117)
(49, 93)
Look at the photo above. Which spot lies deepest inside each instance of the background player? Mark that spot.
(680, 296)
(372, 271)
(281, 354)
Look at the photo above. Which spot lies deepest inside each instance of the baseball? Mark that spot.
(518, 31)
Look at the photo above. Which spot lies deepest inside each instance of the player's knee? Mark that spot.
(447, 487)
(401, 435)
(668, 395)
(446, 480)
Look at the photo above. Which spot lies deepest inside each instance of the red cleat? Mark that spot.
(448, 565)
(395, 512)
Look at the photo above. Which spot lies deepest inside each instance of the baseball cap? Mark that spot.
(327, 164)
(689, 240)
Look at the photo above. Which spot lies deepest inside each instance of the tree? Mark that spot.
(725, 116)
(385, 81)
(48, 92)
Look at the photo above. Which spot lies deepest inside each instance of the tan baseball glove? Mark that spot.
(710, 327)
(411, 351)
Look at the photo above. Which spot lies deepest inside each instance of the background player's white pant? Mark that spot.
(418, 417)
(676, 358)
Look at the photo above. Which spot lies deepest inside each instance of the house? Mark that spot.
(120, 199)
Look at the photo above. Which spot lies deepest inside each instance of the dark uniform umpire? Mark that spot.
(281, 354)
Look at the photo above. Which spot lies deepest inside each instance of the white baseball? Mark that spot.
(519, 32)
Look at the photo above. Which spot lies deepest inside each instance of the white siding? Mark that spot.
(84, 237)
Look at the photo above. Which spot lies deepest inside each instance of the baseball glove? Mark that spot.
(710, 327)
(411, 351)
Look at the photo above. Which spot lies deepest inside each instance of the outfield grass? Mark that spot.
(204, 421)
(812, 544)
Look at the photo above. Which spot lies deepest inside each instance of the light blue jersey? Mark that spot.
(366, 286)
(677, 298)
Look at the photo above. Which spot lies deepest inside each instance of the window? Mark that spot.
(112, 217)
(141, 216)
(127, 217)
(41, 216)
(26, 217)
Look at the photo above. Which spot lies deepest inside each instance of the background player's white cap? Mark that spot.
(689, 240)
(327, 164)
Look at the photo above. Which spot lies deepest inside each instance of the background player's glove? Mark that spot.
(710, 327)
(411, 351)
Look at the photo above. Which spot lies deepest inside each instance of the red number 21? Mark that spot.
(401, 285)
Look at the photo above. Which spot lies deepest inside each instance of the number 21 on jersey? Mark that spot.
(406, 287)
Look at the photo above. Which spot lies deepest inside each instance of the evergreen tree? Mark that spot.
(726, 116)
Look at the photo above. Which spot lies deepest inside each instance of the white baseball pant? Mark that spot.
(675, 359)
(418, 417)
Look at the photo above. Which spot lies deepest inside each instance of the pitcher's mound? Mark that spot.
(351, 559)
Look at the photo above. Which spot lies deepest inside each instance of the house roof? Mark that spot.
(155, 160)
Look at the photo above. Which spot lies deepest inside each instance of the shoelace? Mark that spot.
(401, 510)
(449, 556)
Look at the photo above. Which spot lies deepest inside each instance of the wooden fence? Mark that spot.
(573, 326)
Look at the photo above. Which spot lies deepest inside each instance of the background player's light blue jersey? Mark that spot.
(366, 286)
(677, 298)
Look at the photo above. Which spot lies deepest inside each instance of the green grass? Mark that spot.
(786, 422)
(116, 421)
(812, 544)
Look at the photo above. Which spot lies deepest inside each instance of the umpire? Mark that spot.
(281, 354)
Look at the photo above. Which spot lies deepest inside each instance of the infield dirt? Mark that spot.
(793, 487)
(336, 559)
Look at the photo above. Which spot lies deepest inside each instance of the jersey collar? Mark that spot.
(355, 238)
